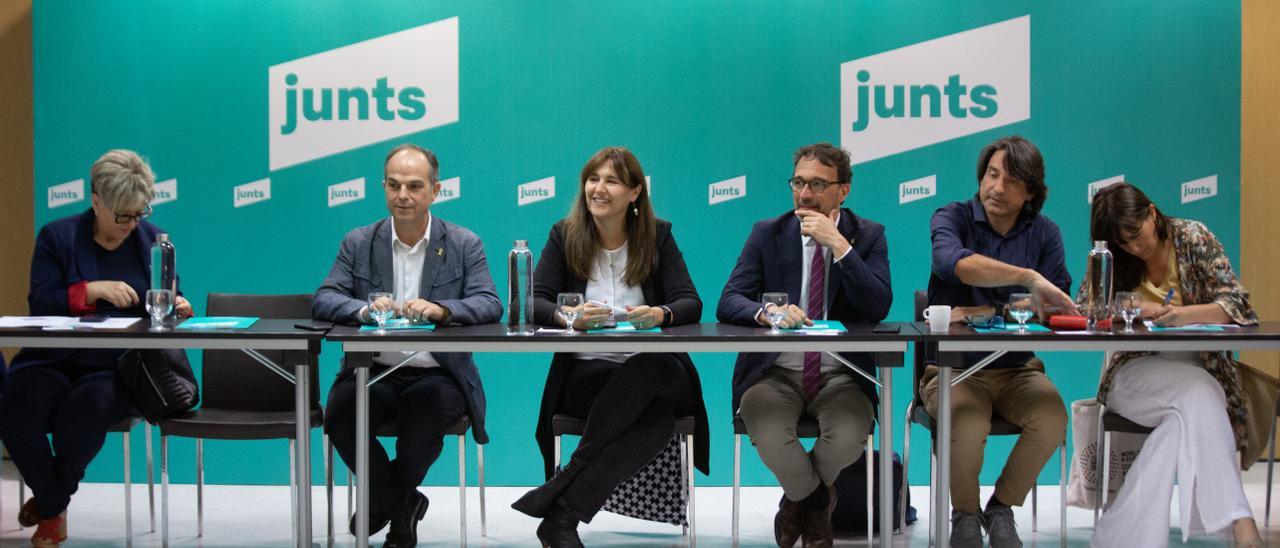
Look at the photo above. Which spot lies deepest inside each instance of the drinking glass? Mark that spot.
(1128, 305)
(777, 313)
(381, 311)
(569, 306)
(159, 305)
(1022, 308)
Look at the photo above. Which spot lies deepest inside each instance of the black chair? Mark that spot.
(807, 428)
(565, 425)
(124, 427)
(1110, 422)
(241, 399)
(459, 429)
(918, 414)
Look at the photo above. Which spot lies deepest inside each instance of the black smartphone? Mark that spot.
(314, 325)
(93, 318)
(885, 328)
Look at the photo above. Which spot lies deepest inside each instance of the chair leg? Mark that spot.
(151, 481)
(557, 451)
(199, 488)
(1106, 470)
(689, 470)
(1035, 498)
(484, 527)
(1271, 463)
(684, 484)
(328, 480)
(293, 487)
(935, 520)
(164, 489)
(462, 489)
(128, 492)
(906, 460)
(1099, 493)
(350, 489)
(737, 483)
(1062, 491)
(871, 487)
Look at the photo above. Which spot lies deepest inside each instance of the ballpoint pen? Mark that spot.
(1168, 297)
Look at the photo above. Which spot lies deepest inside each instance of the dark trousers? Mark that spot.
(77, 405)
(630, 410)
(423, 403)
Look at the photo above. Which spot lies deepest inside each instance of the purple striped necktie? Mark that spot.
(817, 286)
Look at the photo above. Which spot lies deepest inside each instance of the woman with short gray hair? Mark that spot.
(94, 263)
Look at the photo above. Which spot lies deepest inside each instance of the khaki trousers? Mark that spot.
(1025, 397)
(772, 408)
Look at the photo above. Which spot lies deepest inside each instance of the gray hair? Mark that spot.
(430, 156)
(123, 180)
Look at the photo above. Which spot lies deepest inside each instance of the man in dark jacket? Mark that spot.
(434, 271)
(833, 266)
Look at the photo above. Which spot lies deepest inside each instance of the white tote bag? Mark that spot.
(1086, 468)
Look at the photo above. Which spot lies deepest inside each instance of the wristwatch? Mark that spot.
(666, 315)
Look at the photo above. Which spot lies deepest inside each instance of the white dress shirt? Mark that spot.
(407, 264)
(607, 285)
(795, 360)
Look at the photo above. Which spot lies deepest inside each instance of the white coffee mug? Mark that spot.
(939, 318)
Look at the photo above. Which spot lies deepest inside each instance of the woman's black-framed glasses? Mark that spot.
(124, 219)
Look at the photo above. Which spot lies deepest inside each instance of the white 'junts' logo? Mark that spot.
(363, 93)
(1098, 185)
(1199, 189)
(165, 191)
(726, 190)
(66, 193)
(937, 90)
(536, 191)
(450, 189)
(346, 192)
(918, 189)
(252, 193)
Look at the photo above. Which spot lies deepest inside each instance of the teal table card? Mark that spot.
(625, 327)
(218, 322)
(820, 326)
(1013, 328)
(400, 324)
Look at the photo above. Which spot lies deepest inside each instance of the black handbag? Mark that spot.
(161, 382)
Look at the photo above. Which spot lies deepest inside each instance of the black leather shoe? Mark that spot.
(558, 530)
(404, 523)
(542, 500)
(376, 521)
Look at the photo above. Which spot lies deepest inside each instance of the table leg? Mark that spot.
(943, 499)
(362, 457)
(302, 455)
(886, 456)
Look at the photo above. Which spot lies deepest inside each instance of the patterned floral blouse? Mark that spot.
(1206, 277)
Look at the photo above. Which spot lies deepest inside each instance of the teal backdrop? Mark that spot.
(702, 92)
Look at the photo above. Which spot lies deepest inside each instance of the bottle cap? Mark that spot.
(162, 237)
(1099, 244)
(522, 244)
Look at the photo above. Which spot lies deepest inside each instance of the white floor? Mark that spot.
(260, 516)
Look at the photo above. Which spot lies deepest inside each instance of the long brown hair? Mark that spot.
(1118, 213)
(582, 242)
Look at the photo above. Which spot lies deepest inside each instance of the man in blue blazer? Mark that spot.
(436, 272)
(833, 265)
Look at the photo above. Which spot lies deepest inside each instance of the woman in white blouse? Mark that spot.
(614, 251)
